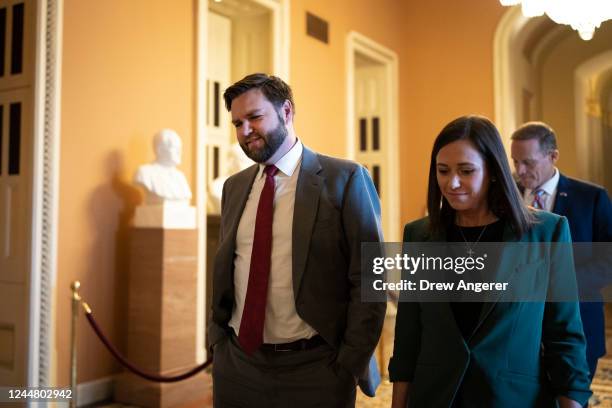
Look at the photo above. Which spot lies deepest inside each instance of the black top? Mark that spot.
(467, 313)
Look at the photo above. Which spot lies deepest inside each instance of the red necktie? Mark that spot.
(538, 199)
(250, 335)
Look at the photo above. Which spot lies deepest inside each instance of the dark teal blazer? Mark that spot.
(521, 354)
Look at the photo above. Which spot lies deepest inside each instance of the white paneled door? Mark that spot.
(217, 123)
(370, 112)
(16, 30)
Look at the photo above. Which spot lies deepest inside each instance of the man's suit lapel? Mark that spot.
(242, 186)
(562, 196)
(307, 192)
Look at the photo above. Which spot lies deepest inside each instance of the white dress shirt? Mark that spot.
(550, 192)
(282, 323)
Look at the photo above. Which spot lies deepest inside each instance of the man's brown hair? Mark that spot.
(273, 88)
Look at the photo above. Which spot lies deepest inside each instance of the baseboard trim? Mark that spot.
(95, 391)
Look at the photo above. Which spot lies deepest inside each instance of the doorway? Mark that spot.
(17, 27)
(236, 38)
(544, 71)
(372, 121)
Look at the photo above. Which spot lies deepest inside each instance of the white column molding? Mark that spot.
(45, 193)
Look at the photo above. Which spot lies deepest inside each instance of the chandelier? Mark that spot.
(584, 16)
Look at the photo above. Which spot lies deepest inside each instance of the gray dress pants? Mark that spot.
(285, 379)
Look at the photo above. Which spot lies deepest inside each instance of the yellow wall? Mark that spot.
(446, 71)
(606, 104)
(318, 70)
(128, 71)
(557, 79)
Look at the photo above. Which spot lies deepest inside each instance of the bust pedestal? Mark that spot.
(162, 317)
(167, 214)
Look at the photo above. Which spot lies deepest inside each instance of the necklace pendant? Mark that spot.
(470, 251)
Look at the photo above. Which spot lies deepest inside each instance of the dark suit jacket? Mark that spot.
(336, 209)
(521, 354)
(589, 212)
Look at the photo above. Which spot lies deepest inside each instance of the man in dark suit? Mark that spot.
(588, 210)
(288, 324)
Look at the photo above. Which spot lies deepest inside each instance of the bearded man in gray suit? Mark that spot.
(288, 325)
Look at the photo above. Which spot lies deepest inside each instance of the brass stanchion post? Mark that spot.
(76, 299)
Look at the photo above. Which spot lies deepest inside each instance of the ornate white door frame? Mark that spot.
(358, 43)
(279, 10)
(45, 190)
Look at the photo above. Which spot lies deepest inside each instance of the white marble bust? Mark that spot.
(163, 182)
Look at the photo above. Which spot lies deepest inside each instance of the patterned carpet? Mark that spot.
(602, 391)
(601, 387)
(602, 383)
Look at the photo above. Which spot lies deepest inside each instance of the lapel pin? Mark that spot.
(563, 194)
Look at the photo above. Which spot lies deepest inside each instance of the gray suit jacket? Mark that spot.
(336, 209)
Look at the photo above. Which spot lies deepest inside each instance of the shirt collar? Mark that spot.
(289, 162)
(550, 185)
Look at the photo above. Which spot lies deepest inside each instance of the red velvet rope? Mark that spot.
(124, 362)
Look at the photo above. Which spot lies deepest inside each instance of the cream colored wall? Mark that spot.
(557, 87)
(526, 80)
(606, 103)
(128, 69)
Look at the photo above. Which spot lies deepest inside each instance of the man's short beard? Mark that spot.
(272, 141)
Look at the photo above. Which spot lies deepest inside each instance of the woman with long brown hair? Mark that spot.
(504, 354)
